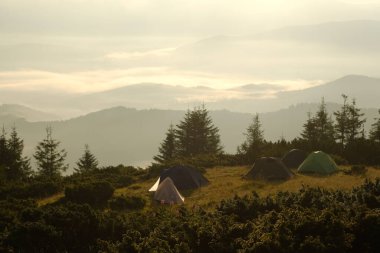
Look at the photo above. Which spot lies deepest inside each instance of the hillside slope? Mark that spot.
(129, 136)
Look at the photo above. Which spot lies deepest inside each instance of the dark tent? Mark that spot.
(184, 177)
(294, 158)
(167, 193)
(269, 168)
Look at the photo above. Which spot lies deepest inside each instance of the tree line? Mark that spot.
(50, 158)
(195, 139)
(344, 137)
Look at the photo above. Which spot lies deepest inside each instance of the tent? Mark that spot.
(184, 177)
(167, 193)
(294, 158)
(269, 168)
(155, 186)
(318, 162)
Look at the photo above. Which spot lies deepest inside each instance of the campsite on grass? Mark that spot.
(282, 196)
(181, 126)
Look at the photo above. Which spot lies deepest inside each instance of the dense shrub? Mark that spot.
(118, 176)
(124, 181)
(339, 160)
(94, 193)
(34, 237)
(35, 189)
(120, 203)
(309, 220)
(357, 170)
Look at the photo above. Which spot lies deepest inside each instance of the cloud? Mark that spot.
(140, 54)
(164, 17)
(99, 80)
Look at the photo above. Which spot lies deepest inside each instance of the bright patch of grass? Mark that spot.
(50, 199)
(225, 182)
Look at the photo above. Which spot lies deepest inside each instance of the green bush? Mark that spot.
(308, 220)
(357, 170)
(120, 203)
(124, 181)
(339, 160)
(36, 189)
(95, 193)
(118, 176)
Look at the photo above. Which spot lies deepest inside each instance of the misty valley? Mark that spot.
(161, 126)
(294, 197)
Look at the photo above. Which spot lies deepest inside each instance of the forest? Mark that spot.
(88, 215)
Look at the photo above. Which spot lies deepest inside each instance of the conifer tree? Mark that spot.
(183, 135)
(374, 134)
(252, 146)
(324, 125)
(318, 130)
(50, 160)
(168, 147)
(355, 122)
(196, 134)
(309, 132)
(19, 166)
(4, 152)
(341, 125)
(87, 162)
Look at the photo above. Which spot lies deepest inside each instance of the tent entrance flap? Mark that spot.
(155, 186)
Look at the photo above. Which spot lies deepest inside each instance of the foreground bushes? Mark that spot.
(120, 203)
(95, 193)
(310, 220)
(36, 189)
(357, 170)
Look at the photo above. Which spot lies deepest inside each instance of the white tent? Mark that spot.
(167, 193)
(155, 186)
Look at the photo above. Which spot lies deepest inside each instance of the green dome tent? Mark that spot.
(318, 162)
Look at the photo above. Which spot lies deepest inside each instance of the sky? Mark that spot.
(92, 45)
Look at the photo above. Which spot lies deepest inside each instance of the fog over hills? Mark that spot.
(293, 56)
(249, 98)
(14, 111)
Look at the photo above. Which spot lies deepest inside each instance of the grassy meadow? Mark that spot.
(225, 182)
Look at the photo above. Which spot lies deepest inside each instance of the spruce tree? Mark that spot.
(183, 135)
(50, 160)
(309, 132)
(252, 146)
(209, 133)
(87, 162)
(4, 151)
(318, 130)
(168, 147)
(374, 134)
(196, 134)
(355, 122)
(324, 125)
(19, 166)
(341, 125)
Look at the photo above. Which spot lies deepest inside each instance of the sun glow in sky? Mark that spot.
(93, 45)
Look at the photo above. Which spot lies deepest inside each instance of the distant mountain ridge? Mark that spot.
(130, 136)
(250, 98)
(19, 111)
(245, 98)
